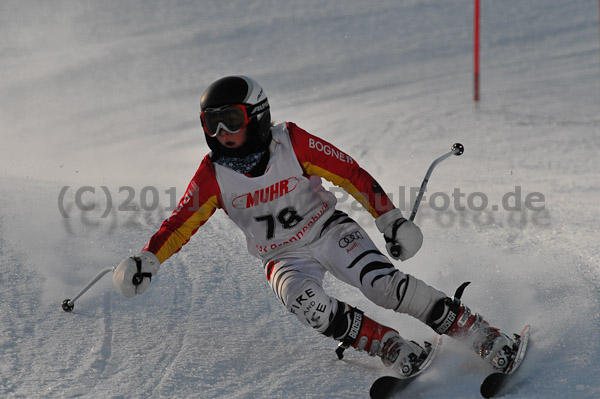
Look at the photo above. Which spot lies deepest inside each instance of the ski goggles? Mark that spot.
(231, 118)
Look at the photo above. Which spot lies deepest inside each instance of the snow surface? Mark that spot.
(104, 96)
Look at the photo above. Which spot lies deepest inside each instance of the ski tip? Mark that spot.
(385, 387)
(492, 384)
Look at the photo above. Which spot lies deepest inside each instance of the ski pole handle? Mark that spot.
(139, 276)
(456, 149)
(395, 250)
(69, 304)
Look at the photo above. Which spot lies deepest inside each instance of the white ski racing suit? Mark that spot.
(290, 223)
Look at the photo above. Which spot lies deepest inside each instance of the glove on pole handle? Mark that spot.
(456, 149)
(69, 304)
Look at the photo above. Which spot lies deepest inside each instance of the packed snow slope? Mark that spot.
(100, 136)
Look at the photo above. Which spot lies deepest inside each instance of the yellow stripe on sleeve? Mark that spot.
(182, 235)
(341, 182)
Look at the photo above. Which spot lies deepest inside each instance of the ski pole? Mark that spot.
(69, 304)
(456, 149)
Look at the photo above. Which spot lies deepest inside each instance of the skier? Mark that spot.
(267, 178)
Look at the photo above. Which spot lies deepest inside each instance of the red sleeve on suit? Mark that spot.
(320, 158)
(201, 199)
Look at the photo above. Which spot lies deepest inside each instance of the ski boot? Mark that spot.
(453, 318)
(367, 335)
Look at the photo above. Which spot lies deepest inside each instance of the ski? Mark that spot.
(385, 387)
(495, 382)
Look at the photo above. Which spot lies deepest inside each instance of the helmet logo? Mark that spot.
(260, 107)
